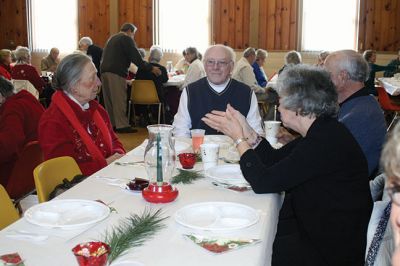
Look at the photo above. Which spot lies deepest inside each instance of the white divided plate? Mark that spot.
(216, 216)
(229, 174)
(67, 213)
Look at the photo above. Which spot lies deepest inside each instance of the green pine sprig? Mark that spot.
(186, 177)
(132, 231)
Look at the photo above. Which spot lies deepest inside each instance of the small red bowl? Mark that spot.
(187, 160)
(91, 253)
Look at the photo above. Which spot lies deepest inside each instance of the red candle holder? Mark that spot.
(91, 253)
(164, 193)
(187, 160)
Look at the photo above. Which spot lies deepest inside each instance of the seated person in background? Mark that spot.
(291, 58)
(50, 62)
(214, 92)
(370, 57)
(261, 77)
(19, 119)
(196, 68)
(321, 58)
(182, 66)
(393, 63)
(359, 111)
(75, 124)
(5, 63)
(243, 72)
(92, 50)
(390, 161)
(155, 57)
(24, 70)
(323, 173)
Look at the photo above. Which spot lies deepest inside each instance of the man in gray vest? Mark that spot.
(214, 92)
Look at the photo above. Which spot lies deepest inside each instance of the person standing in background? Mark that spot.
(119, 51)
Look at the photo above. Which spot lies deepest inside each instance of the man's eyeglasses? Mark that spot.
(394, 193)
(211, 63)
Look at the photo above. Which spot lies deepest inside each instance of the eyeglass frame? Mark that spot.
(218, 63)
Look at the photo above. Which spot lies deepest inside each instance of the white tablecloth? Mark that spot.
(168, 246)
(391, 85)
(175, 81)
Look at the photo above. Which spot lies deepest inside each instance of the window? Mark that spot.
(329, 25)
(182, 23)
(53, 23)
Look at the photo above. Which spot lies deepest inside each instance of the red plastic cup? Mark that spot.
(91, 253)
(187, 160)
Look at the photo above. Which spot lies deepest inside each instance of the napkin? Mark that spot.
(220, 245)
(23, 235)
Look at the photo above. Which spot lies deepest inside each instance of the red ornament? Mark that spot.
(187, 160)
(160, 194)
(91, 253)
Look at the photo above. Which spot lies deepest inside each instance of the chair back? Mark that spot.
(8, 213)
(22, 84)
(385, 101)
(21, 182)
(144, 92)
(52, 172)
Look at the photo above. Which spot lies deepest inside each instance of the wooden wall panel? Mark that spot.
(13, 25)
(138, 12)
(231, 21)
(379, 25)
(94, 20)
(278, 22)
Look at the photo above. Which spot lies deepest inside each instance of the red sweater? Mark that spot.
(19, 118)
(58, 138)
(5, 71)
(28, 72)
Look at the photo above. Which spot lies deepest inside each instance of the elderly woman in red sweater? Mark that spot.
(19, 119)
(75, 124)
(25, 71)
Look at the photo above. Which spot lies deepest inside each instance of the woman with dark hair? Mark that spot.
(324, 174)
(75, 124)
(19, 119)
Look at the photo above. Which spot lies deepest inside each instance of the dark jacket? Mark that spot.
(143, 74)
(327, 206)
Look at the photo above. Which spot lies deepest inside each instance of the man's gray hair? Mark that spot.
(128, 27)
(308, 91)
(293, 57)
(156, 54)
(228, 50)
(22, 54)
(69, 71)
(142, 52)
(249, 52)
(85, 40)
(354, 64)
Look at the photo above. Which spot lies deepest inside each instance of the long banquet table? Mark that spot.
(168, 246)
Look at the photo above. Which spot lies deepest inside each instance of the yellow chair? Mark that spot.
(144, 92)
(8, 213)
(51, 173)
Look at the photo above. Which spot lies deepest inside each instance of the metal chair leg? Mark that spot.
(396, 117)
